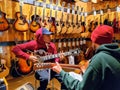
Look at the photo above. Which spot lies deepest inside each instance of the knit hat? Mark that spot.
(102, 34)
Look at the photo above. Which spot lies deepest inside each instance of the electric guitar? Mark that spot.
(35, 24)
(21, 23)
(4, 25)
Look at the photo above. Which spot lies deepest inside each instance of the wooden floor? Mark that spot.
(15, 83)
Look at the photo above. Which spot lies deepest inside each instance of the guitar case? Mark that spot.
(14, 68)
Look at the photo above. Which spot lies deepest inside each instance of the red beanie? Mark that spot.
(102, 34)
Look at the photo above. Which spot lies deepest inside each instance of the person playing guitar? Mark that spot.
(41, 45)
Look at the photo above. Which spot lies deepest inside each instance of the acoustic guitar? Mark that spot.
(116, 22)
(66, 23)
(71, 28)
(25, 66)
(21, 23)
(38, 66)
(35, 24)
(51, 21)
(4, 25)
(76, 28)
(57, 22)
(43, 21)
(59, 29)
(4, 71)
(82, 27)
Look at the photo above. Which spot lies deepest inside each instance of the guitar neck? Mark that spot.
(48, 57)
(50, 65)
(20, 10)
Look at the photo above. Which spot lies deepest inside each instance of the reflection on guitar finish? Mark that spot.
(4, 25)
(21, 23)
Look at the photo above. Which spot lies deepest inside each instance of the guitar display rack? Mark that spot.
(12, 43)
(40, 4)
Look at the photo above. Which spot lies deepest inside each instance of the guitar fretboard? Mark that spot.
(48, 57)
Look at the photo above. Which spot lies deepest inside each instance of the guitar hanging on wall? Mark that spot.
(35, 24)
(21, 23)
(4, 25)
(51, 25)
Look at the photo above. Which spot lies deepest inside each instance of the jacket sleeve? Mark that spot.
(90, 80)
(19, 50)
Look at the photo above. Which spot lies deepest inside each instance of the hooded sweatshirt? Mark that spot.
(103, 72)
(20, 49)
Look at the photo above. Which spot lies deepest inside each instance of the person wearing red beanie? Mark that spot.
(103, 72)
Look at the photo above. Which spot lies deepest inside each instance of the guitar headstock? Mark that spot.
(68, 8)
(51, 6)
(21, 2)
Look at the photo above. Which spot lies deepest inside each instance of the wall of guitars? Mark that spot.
(71, 23)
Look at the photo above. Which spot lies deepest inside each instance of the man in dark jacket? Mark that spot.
(103, 72)
(41, 46)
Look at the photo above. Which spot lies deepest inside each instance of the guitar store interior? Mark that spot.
(74, 20)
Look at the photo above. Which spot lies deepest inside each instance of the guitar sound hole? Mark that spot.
(57, 24)
(63, 24)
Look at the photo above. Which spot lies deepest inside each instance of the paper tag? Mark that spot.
(71, 59)
(1, 50)
(94, 13)
(101, 12)
(85, 14)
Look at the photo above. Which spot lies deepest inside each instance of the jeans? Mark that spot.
(43, 76)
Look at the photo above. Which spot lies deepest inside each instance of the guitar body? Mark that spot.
(70, 30)
(53, 28)
(25, 66)
(4, 25)
(4, 71)
(34, 26)
(82, 29)
(64, 29)
(21, 24)
(75, 29)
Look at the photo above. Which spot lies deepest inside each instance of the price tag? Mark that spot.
(71, 60)
(101, 12)
(118, 9)
(94, 13)
(85, 14)
(1, 51)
